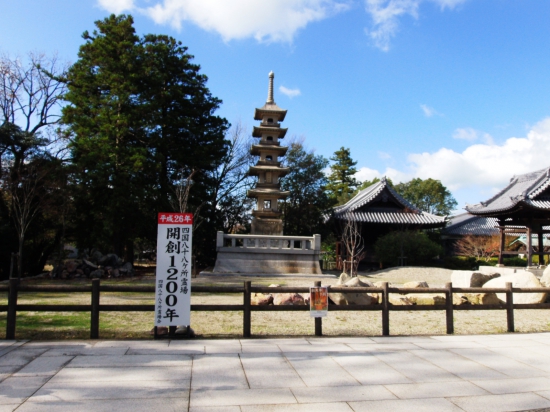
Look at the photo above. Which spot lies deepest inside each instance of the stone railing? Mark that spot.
(268, 244)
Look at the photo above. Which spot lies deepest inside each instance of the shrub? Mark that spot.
(417, 248)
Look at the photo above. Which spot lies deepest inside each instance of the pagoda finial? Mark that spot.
(270, 90)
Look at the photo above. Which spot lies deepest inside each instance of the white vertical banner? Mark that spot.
(173, 280)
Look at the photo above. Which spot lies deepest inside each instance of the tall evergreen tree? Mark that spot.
(303, 209)
(341, 181)
(140, 115)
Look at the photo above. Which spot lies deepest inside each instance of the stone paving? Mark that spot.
(439, 373)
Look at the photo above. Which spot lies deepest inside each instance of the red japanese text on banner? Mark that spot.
(173, 280)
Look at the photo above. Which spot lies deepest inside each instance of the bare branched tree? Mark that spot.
(27, 200)
(31, 94)
(354, 244)
(30, 97)
(480, 247)
(232, 179)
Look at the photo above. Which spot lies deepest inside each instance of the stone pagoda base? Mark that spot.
(260, 254)
(268, 227)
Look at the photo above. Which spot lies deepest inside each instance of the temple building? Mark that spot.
(522, 207)
(379, 209)
(266, 218)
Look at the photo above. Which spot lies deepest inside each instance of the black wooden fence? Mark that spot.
(95, 307)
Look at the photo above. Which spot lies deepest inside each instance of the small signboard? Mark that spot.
(318, 302)
(173, 281)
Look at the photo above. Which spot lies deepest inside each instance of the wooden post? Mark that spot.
(318, 321)
(94, 323)
(541, 248)
(12, 309)
(246, 309)
(510, 307)
(449, 309)
(385, 310)
(501, 247)
(529, 247)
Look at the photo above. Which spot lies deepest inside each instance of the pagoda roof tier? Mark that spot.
(527, 192)
(270, 109)
(278, 131)
(267, 214)
(255, 170)
(257, 149)
(256, 192)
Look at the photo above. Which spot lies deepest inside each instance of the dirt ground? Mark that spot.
(132, 325)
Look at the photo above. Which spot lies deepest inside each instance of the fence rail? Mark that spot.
(95, 307)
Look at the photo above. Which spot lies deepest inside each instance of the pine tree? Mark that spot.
(341, 181)
(140, 115)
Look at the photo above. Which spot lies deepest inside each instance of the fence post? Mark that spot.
(318, 321)
(246, 309)
(385, 310)
(12, 309)
(94, 324)
(449, 309)
(510, 307)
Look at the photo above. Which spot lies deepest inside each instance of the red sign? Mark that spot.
(170, 218)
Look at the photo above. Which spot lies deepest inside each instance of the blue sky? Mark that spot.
(455, 90)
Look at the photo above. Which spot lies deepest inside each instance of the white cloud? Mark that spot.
(396, 176)
(289, 92)
(479, 171)
(486, 165)
(266, 21)
(116, 6)
(466, 133)
(384, 155)
(385, 16)
(471, 135)
(429, 111)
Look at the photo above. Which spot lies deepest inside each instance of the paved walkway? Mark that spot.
(440, 373)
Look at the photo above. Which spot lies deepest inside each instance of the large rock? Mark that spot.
(261, 299)
(471, 279)
(426, 298)
(521, 279)
(545, 279)
(400, 300)
(416, 284)
(476, 299)
(292, 299)
(344, 277)
(353, 298)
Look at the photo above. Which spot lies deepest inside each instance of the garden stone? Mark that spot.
(127, 268)
(471, 279)
(545, 279)
(426, 299)
(291, 299)
(260, 299)
(520, 279)
(400, 300)
(416, 285)
(97, 274)
(87, 263)
(71, 266)
(344, 277)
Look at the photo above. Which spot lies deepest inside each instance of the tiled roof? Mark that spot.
(357, 209)
(527, 189)
(467, 224)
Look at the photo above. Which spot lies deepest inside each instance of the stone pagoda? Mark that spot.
(266, 218)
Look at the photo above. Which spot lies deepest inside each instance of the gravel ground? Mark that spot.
(358, 323)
